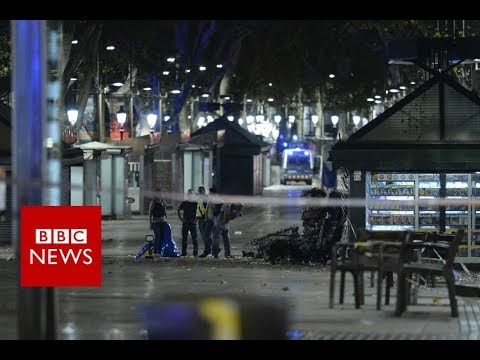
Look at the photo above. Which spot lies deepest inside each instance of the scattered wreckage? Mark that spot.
(322, 227)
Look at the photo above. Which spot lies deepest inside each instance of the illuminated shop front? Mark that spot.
(425, 147)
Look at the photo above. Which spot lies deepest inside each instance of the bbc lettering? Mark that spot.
(54, 256)
(60, 236)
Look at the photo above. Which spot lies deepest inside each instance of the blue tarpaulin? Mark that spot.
(329, 177)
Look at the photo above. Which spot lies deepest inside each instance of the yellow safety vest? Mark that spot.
(201, 209)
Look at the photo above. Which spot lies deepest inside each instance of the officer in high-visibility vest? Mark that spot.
(201, 208)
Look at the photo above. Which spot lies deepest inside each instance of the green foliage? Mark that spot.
(4, 54)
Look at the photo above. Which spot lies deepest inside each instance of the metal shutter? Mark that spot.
(6, 220)
(65, 189)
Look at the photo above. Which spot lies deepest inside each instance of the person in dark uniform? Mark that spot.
(201, 210)
(189, 222)
(158, 219)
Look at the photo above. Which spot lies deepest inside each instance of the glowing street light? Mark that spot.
(110, 47)
(275, 133)
(270, 99)
(230, 118)
(219, 66)
(147, 88)
(166, 72)
(315, 119)
(240, 121)
(202, 68)
(356, 120)
(72, 115)
(249, 100)
(291, 118)
(270, 84)
(277, 118)
(74, 42)
(175, 91)
(331, 76)
(364, 121)
(152, 120)
(121, 118)
(370, 99)
(171, 59)
(334, 119)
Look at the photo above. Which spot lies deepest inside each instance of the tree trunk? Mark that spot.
(299, 114)
(319, 130)
(86, 86)
(228, 75)
(184, 123)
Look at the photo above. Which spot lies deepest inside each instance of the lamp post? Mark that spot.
(152, 120)
(121, 118)
(72, 115)
(335, 119)
(356, 121)
(315, 121)
(69, 134)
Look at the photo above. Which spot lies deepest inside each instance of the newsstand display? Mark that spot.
(401, 214)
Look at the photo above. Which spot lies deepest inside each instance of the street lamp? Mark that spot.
(315, 119)
(277, 118)
(275, 133)
(291, 118)
(152, 120)
(121, 118)
(69, 134)
(334, 119)
(356, 120)
(72, 115)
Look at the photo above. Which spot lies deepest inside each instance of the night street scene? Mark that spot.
(240, 180)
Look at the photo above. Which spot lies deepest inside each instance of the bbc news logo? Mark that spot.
(52, 256)
(60, 246)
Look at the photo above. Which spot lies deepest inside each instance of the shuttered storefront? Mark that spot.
(6, 217)
(65, 187)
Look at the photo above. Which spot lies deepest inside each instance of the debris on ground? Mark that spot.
(322, 227)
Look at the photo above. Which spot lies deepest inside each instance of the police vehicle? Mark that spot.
(297, 165)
